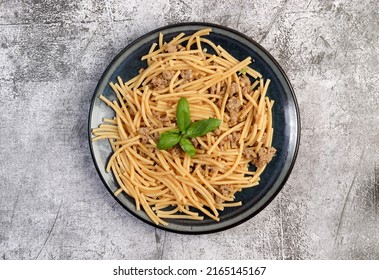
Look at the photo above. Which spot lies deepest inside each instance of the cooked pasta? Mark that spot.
(169, 184)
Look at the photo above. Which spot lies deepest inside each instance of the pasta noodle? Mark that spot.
(170, 184)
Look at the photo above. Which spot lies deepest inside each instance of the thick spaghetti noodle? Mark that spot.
(170, 184)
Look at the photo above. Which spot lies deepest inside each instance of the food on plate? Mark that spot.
(186, 128)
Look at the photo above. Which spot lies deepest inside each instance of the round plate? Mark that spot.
(286, 123)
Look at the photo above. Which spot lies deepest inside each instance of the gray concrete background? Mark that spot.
(53, 204)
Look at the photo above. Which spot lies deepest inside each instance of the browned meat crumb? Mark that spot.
(170, 48)
(217, 131)
(222, 90)
(159, 82)
(264, 137)
(202, 169)
(186, 74)
(245, 84)
(155, 137)
(212, 89)
(175, 151)
(244, 81)
(162, 117)
(233, 88)
(156, 114)
(235, 137)
(245, 90)
(225, 190)
(144, 132)
(264, 156)
(167, 75)
(219, 103)
(233, 118)
(249, 153)
(233, 104)
(143, 154)
(212, 170)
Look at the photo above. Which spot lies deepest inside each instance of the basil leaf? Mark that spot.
(187, 146)
(183, 118)
(201, 128)
(168, 139)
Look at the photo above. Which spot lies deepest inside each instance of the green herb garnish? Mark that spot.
(187, 146)
(168, 139)
(183, 118)
(186, 129)
(201, 128)
(242, 71)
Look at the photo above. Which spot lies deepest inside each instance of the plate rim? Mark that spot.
(291, 91)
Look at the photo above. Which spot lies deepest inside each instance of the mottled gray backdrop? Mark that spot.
(53, 204)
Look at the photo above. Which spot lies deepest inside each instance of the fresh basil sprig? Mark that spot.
(200, 128)
(168, 139)
(183, 118)
(187, 146)
(186, 130)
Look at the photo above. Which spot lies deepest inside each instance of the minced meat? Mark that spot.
(233, 106)
(233, 88)
(170, 48)
(159, 82)
(186, 74)
(144, 132)
(263, 157)
(167, 75)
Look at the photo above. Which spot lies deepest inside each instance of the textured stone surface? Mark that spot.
(53, 204)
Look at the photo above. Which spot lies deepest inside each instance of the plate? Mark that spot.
(286, 123)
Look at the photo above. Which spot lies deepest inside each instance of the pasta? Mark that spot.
(169, 184)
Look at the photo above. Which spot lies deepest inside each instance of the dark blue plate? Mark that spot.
(286, 123)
